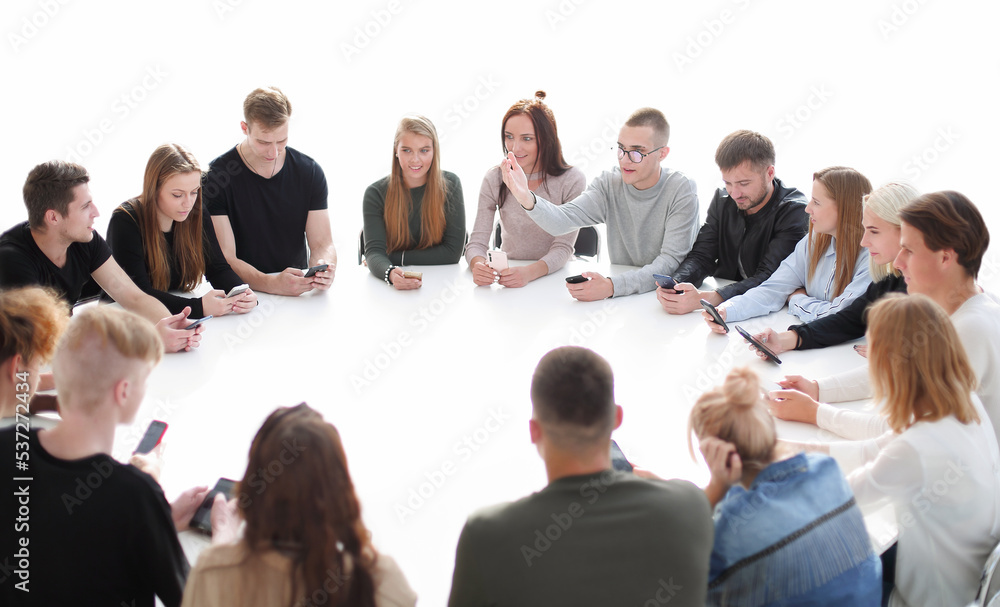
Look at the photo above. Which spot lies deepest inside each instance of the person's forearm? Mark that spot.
(536, 270)
(257, 280)
(327, 252)
(715, 492)
(146, 306)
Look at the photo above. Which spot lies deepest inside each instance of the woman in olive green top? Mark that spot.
(416, 215)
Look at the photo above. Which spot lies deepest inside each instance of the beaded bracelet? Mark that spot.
(386, 277)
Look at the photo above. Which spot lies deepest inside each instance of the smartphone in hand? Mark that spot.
(197, 322)
(312, 271)
(757, 345)
(716, 317)
(664, 281)
(618, 459)
(202, 519)
(237, 290)
(154, 433)
(497, 260)
(576, 279)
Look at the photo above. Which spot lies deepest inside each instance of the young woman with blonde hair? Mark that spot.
(165, 241)
(880, 221)
(416, 215)
(787, 529)
(828, 268)
(939, 465)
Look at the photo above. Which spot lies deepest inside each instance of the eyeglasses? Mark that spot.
(635, 155)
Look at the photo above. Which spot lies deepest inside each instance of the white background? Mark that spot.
(897, 90)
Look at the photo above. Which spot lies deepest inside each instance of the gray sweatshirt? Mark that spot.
(653, 228)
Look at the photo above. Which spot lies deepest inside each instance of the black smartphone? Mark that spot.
(152, 437)
(320, 268)
(714, 314)
(197, 322)
(618, 459)
(202, 519)
(664, 281)
(576, 279)
(757, 345)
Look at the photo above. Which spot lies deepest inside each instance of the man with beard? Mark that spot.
(753, 224)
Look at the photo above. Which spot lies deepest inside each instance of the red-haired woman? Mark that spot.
(529, 131)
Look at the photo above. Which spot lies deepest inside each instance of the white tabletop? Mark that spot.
(430, 392)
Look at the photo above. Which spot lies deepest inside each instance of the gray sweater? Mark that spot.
(653, 228)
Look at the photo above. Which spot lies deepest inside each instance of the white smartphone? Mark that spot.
(496, 260)
(237, 290)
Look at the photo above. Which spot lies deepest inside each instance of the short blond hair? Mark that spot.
(268, 107)
(102, 346)
(918, 367)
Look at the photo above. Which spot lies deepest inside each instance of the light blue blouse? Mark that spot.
(770, 295)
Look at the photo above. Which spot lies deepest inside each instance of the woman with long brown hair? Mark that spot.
(528, 130)
(828, 268)
(165, 241)
(416, 215)
(304, 542)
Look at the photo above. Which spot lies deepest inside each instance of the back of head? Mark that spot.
(655, 119)
(31, 321)
(885, 203)
(572, 394)
(297, 496)
(847, 187)
(949, 220)
(550, 155)
(745, 146)
(101, 346)
(166, 161)
(918, 367)
(267, 107)
(736, 413)
(50, 186)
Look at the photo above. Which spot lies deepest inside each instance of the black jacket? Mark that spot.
(759, 243)
(849, 323)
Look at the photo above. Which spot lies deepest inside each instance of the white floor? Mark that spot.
(897, 89)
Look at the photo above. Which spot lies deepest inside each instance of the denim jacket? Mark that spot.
(796, 537)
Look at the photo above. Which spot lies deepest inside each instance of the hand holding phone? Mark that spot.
(497, 260)
(716, 318)
(665, 282)
(197, 322)
(759, 346)
(154, 433)
(576, 279)
(202, 519)
(312, 271)
(419, 275)
(237, 290)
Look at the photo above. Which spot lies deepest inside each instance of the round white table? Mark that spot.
(430, 392)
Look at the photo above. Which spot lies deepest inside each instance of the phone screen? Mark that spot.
(202, 519)
(618, 459)
(152, 437)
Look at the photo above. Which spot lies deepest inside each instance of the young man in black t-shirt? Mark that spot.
(57, 247)
(79, 526)
(264, 196)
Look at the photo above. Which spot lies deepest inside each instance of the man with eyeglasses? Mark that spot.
(651, 212)
(753, 224)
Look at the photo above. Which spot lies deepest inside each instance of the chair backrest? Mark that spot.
(361, 246)
(496, 235)
(989, 585)
(588, 243)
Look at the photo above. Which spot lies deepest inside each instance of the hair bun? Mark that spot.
(540, 95)
(742, 387)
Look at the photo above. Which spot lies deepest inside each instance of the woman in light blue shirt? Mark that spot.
(828, 268)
